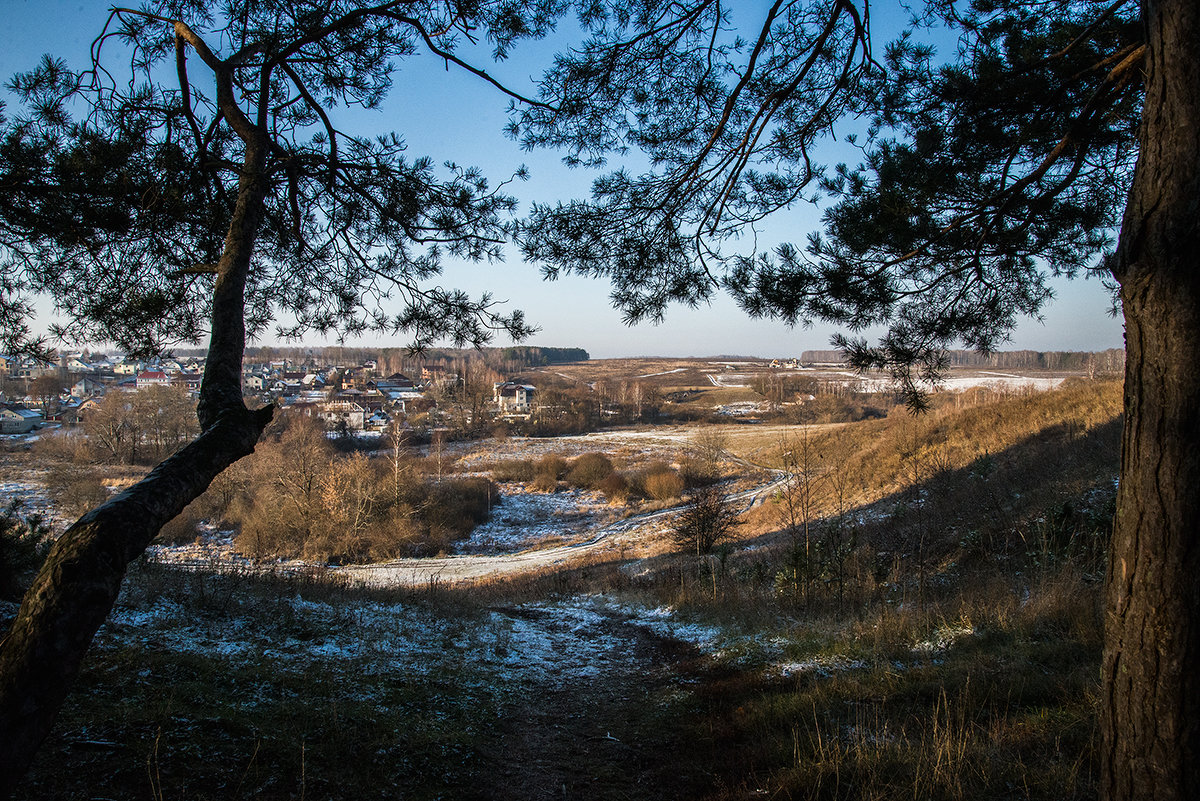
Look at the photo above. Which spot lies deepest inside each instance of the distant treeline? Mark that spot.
(1105, 361)
(509, 359)
(540, 357)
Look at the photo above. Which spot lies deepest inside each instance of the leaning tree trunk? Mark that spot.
(1151, 696)
(75, 590)
(78, 585)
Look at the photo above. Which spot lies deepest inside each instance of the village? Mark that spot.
(351, 400)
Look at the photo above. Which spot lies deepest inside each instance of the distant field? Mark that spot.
(673, 374)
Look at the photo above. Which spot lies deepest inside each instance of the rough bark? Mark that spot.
(1151, 668)
(221, 387)
(78, 585)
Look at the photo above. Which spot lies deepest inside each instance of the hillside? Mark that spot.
(914, 613)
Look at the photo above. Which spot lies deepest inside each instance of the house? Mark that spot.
(17, 419)
(342, 414)
(513, 398)
(73, 413)
(394, 381)
(31, 368)
(189, 381)
(152, 378)
(378, 421)
(88, 387)
(396, 389)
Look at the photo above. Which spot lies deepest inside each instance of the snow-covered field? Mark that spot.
(29, 494)
(743, 408)
(1006, 382)
(526, 519)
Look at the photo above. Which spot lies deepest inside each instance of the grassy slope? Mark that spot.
(963, 669)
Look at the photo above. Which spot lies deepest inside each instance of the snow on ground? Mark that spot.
(729, 380)
(665, 436)
(31, 494)
(944, 638)
(666, 372)
(743, 408)
(525, 519)
(820, 665)
(963, 383)
(658, 443)
(210, 545)
(532, 644)
(32, 497)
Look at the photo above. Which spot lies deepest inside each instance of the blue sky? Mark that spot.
(449, 115)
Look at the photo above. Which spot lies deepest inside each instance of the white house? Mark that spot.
(151, 378)
(87, 387)
(336, 413)
(513, 398)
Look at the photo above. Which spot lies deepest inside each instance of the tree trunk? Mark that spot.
(76, 588)
(78, 585)
(1151, 697)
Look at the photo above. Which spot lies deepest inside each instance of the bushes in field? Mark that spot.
(74, 489)
(512, 470)
(297, 498)
(615, 487)
(657, 481)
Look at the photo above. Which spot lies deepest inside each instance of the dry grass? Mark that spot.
(958, 656)
(883, 456)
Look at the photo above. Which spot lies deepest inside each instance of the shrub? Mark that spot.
(544, 482)
(74, 490)
(614, 486)
(696, 474)
(66, 445)
(513, 470)
(181, 528)
(663, 485)
(708, 520)
(589, 470)
(552, 465)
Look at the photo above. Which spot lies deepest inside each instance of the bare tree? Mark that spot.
(707, 520)
(797, 504)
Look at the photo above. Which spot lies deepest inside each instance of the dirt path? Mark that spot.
(617, 732)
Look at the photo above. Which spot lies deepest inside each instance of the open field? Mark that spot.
(701, 374)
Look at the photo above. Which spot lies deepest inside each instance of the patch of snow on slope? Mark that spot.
(526, 519)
